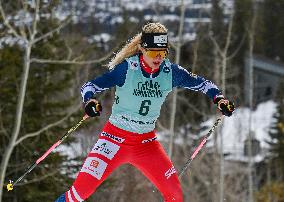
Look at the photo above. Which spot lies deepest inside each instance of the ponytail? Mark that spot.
(133, 46)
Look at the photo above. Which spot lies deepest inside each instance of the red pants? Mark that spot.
(116, 147)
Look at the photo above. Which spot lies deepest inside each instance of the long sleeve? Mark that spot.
(114, 77)
(184, 79)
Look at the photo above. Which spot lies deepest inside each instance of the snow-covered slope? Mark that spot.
(236, 129)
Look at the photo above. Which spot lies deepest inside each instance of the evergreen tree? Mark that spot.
(242, 18)
(239, 46)
(47, 101)
(218, 18)
(272, 188)
(273, 32)
(271, 192)
(277, 137)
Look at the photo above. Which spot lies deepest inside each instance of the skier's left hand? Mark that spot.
(226, 107)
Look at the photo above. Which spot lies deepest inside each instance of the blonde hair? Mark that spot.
(132, 47)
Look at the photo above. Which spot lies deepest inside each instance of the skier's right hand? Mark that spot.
(93, 108)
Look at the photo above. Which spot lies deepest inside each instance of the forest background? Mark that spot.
(48, 49)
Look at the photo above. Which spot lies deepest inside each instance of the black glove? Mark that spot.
(93, 108)
(226, 107)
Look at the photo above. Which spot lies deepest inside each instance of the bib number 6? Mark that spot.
(145, 107)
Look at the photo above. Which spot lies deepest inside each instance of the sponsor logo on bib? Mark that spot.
(105, 148)
(148, 89)
(95, 167)
(114, 138)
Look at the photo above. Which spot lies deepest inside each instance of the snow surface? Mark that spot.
(236, 128)
(103, 37)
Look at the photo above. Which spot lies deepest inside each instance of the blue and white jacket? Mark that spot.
(139, 95)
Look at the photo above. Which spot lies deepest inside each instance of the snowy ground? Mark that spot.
(236, 129)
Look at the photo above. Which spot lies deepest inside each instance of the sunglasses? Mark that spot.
(155, 53)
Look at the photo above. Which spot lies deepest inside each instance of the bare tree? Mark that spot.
(174, 94)
(30, 36)
(223, 55)
(30, 39)
(251, 35)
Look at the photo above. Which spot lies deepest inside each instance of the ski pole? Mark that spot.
(11, 185)
(204, 140)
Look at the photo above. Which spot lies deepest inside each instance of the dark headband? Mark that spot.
(154, 40)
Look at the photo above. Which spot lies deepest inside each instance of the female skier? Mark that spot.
(143, 77)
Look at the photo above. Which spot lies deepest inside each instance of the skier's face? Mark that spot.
(154, 56)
